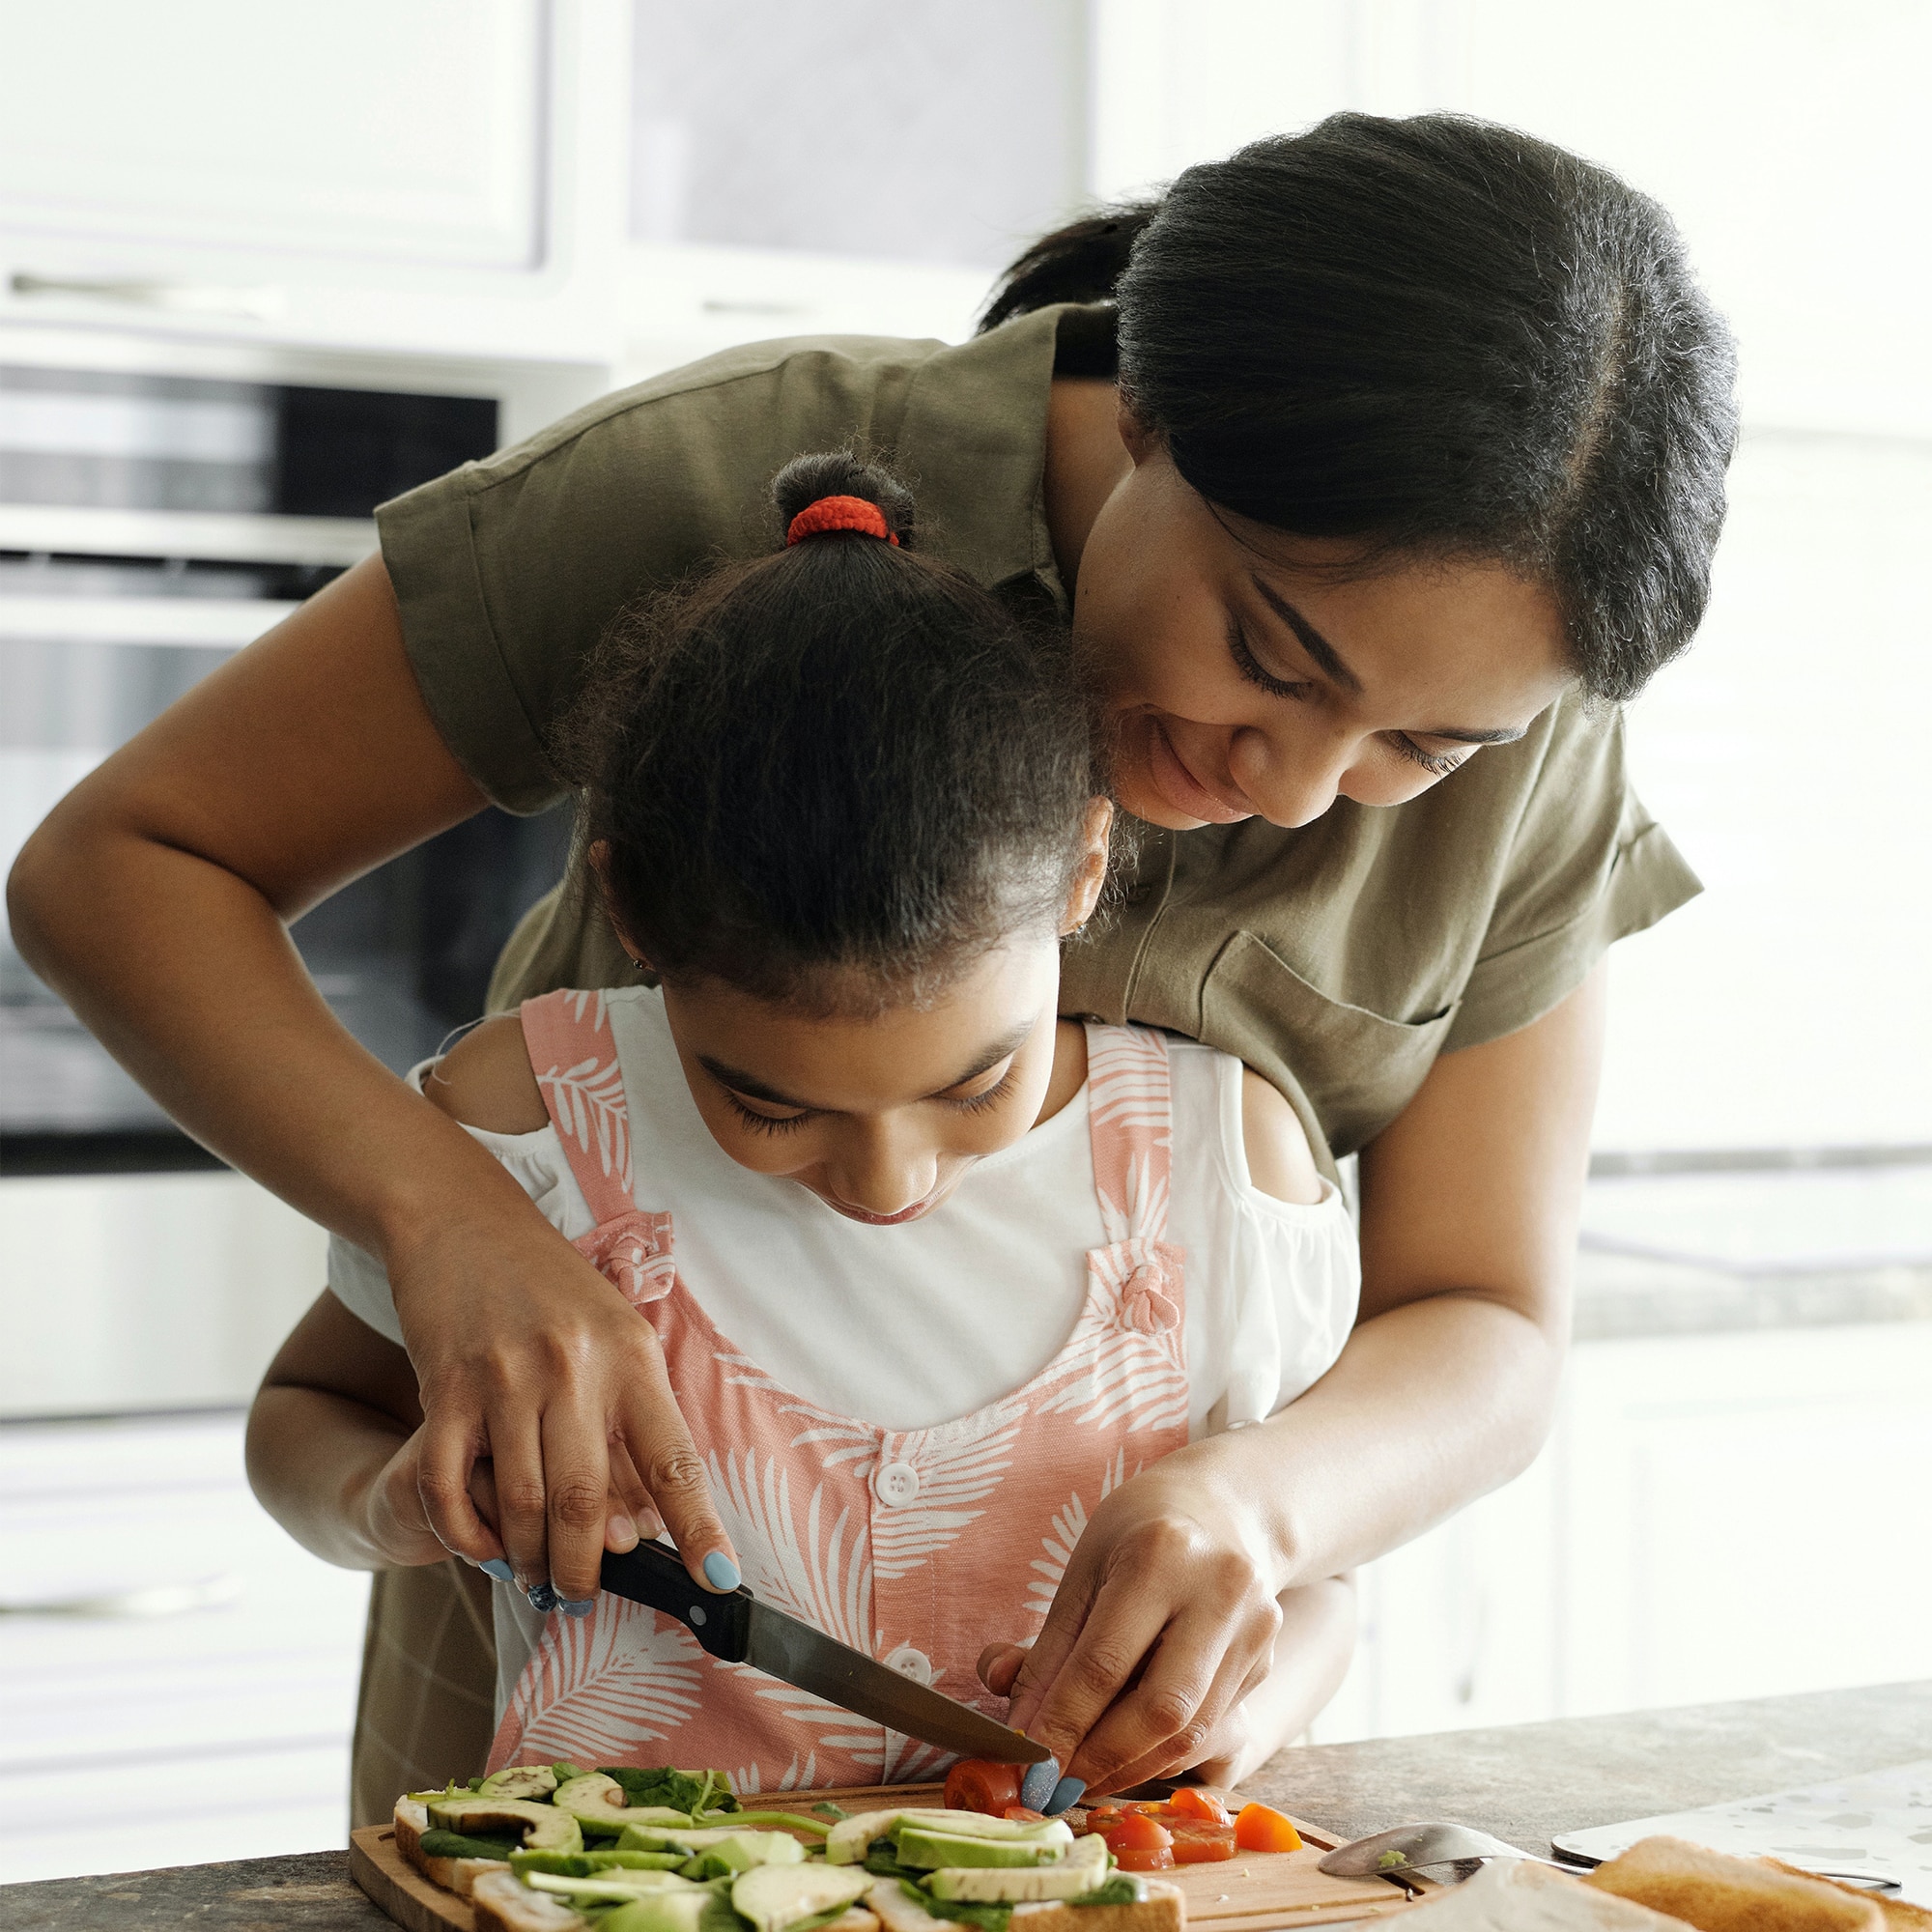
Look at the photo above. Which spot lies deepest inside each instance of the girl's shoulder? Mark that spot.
(1258, 1134)
(485, 1080)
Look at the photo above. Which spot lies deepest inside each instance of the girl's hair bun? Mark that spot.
(839, 472)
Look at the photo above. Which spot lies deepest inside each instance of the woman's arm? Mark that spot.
(155, 900)
(1471, 1202)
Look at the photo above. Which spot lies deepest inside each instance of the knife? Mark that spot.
(734, 1627)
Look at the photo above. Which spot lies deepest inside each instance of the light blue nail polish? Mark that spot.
(1066, 1792)
(721, 1573)
(543, 1599)
(498, 1569)
(576, 1606)
(1037, 1784)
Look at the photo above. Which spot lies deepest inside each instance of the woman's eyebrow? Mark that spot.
(1329, 661)
(1327, 658)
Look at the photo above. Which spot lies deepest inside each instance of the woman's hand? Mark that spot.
(526, 1355)
(1164, 1622)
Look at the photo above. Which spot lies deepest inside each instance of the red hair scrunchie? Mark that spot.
(839, 513)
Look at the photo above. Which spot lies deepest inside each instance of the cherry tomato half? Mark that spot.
(1021, 1814)
(1200, 1842)
(1138, 1832)
(974, 1784)
(1260, 1829)
(1154, 1858)
(1195, 1800)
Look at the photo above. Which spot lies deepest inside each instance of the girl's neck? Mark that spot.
(1085, 458)
(1069, 1069)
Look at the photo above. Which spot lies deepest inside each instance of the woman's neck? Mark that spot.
(1085, 459)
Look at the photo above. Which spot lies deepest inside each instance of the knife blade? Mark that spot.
(735, 1627)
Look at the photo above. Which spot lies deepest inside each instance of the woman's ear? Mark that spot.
(598, 853)
(1091, 877)
(1141, 441)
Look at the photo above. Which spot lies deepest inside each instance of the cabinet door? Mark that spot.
(357, 129)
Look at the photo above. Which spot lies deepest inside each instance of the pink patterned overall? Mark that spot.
(918, 1547)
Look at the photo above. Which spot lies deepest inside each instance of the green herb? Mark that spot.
(1390, 1861)
(882, 1862)
(455, 1845)
(989, 1916)
(1118, 1889)
(830, 1810)
(687, 1791)
(565, 1773)
(705, 1866)
(476, 1784)
(590, 1864)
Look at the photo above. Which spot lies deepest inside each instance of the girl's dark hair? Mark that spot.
(832, 775)
(1439, 336)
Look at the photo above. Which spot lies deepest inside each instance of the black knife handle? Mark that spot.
(654, 1575)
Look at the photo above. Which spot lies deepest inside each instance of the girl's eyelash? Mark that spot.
(764, 1123)
(1249, 666)
(1438, 765)
(992, 1095)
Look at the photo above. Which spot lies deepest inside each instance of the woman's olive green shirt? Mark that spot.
(1338, 959)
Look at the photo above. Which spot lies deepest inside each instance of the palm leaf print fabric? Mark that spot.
(918, 1547)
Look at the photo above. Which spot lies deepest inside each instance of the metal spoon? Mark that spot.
(1415, 1847)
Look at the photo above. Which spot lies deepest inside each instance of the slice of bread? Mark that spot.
(457, 1875)
(1162, 1910)
(1716, 1893)
(1507, 1896)
(1900, 1914)
(503, 1903)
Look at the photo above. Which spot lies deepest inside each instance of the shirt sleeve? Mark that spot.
(536, 1162)
(1588, 866)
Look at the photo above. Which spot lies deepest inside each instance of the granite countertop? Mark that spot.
(1523, 1782)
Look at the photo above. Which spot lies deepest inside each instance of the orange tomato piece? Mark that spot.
(1138, 1858)
(1195, 1800)
(1023, 1815)
(974, 1784)
(1261, 1829)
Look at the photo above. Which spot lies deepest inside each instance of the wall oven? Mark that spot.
(162, 505)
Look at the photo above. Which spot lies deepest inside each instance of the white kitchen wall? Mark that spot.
(1790, 140)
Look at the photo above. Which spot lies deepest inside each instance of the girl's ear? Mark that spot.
(598, 853)
(1091, 877)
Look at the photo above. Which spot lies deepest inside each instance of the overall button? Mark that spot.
(910, 1662)
(896, 1484)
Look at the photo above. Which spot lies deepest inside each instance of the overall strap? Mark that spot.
(574, 1056)
(1130, 1119)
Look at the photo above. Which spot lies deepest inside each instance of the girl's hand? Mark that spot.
(525, 1354)
(1164, 1622)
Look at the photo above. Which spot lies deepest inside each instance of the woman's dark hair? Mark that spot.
(832, 775)
(1439, 336)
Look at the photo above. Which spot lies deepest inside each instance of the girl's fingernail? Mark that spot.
(496, 1567)
(1036, 1787)
(719, 1572)
(622, 1532)
(1066, 1792)
(581, 1607)
(543, 1599)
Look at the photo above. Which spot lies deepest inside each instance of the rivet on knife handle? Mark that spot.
(656, 1577)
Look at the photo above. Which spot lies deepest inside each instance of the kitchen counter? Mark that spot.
(1523, 1782)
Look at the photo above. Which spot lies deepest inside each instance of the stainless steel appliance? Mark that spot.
(162, 505)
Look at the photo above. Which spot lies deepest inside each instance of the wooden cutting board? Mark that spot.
(1253, 1891)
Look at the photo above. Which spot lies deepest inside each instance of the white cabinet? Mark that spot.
(1715, 1517)
(360, 129)
(160, 1633)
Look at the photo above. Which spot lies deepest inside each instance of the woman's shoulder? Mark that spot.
(485, 1080)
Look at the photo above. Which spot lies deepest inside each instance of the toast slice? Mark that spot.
(1162, 1910)
(503, 1903)
(457, 1875)
(1900, 1914)
(1714, 1893)
(1510, 1897)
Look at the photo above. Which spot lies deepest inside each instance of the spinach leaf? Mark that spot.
(988, 1915)
(438, 1844)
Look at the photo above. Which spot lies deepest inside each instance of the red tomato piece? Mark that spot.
(1201, 1842)
(1153, 1857)
(974, 1784)
(1137, 1832)
(1195, 1800)
(1021, 1814)
(1260, 1829)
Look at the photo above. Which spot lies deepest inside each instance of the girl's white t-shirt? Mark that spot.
(909, 1326)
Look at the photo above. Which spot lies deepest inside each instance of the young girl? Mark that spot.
(934, 1272)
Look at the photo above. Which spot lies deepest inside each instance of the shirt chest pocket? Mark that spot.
(1352, 1070)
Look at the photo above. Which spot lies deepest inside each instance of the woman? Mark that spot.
(1415, 463)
